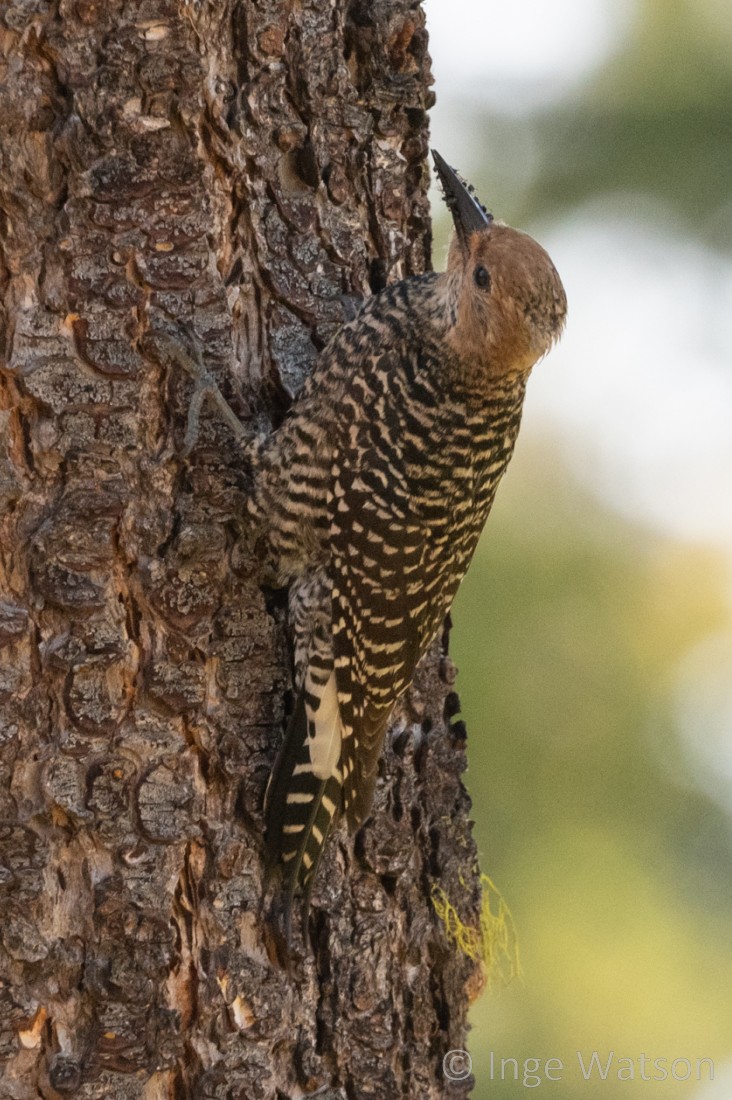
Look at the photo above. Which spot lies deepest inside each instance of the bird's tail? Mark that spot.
(305, 791)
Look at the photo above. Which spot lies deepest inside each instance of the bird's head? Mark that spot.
(505, 300)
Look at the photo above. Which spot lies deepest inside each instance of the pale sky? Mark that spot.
(484, 49)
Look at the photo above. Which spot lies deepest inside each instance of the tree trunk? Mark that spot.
(237, 166)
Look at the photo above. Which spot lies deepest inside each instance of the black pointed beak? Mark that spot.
(467, 213)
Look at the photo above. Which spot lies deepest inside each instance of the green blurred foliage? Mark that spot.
(571, 626)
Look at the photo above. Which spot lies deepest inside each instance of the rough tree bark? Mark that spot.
(236, 165)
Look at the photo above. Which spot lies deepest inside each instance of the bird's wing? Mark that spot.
(387, 582)
(375, 640)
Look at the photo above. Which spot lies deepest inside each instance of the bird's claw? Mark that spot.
(204, 386)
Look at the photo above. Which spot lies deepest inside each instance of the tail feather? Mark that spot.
(304, 793)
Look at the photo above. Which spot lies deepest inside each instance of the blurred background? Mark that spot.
(594, 632)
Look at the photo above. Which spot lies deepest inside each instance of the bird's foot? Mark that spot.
(204, 387)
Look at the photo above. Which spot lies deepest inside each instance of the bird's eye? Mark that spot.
(482, 277)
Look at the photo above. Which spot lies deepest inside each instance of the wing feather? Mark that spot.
(389, 570)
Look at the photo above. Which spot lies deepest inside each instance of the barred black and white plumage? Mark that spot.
(372, 496)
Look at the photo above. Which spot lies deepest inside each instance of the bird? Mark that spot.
(371, 496)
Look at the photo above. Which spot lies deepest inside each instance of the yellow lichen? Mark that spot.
(493, 944)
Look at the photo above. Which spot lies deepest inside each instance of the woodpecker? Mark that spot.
(372, 495)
